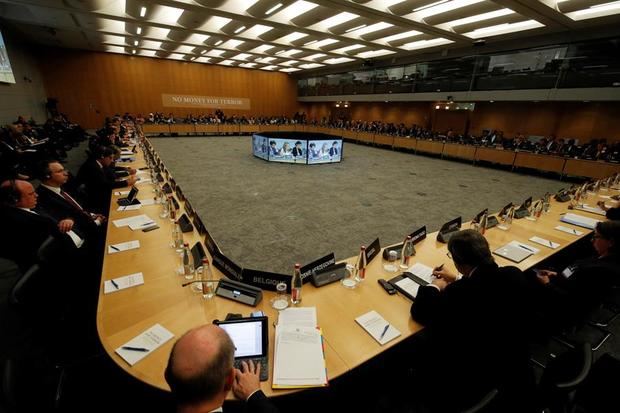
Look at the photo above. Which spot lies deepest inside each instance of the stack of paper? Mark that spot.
(120, 283)
(135, 222)
(422, 271)
(299, 359)
(139, 347)
(580, 220)
(377, 327)
(595, 210)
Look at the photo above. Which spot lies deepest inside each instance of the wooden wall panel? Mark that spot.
(447, 119)
(91, 85)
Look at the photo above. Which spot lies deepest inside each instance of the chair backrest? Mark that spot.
(49, 251)
(21, 291)
(484, 404)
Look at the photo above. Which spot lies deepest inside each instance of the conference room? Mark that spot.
(319, 182)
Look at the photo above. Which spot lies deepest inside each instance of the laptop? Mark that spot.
(251, 339)
(131, 198)
(513, 253)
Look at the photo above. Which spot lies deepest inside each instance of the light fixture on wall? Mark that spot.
(338, 104)
(346, 104)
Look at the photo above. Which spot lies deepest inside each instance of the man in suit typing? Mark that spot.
(200, 373)
(476, 322)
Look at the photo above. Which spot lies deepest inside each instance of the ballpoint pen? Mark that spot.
(114, 284)
(550, 244)
(526, 248)
(142, 349)
(114, 248)
(385, 329)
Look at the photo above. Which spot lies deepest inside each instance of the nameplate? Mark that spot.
(372, 250)
(265, 280)
(227, 266)
(316, 266)
(179, 193)
(478, 217)
(188, 208)
(451, 226)
(173, 183)
(198, 253)
(418, 235)
(200, 227)
(210, 243)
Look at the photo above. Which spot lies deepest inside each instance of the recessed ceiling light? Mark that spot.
(310, 42)
(437, 107)
(428, 6)
(135, 42)
(133, 51)
(274, 8)
(443, 7)
(240, 29)
(219, 42)
(143, 11)
(338, 19)
(139, 30)
(361, 26)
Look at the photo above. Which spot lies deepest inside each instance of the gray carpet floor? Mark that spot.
(269, 216)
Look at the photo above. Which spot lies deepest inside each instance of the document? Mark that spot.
(124, 222)
(129, 207)
(422, 271)
(377, 327)
(123, 246)
(144, 181)
(580, 220)
(121, 193)
(594, 210)
(524, 246)
(299, 358)
(300, 317)
(148, 201)
(142, 225)
(141, 346)
(409, 286)
(545, 242)
(568, 230)
(120, 283)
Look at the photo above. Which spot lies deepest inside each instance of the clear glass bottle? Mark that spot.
(177, 237)
(360, 266)
(350, 279)
(483, 223)
(188, 266)
(406, 253)
(296, 285)
(165, 210)
(207, 283)
(172, 210)
(546, 202)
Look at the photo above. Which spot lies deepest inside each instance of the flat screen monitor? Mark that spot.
(324, 151)
(287, 150)
(260, 146)
(6, 72)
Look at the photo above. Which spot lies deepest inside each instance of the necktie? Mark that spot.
(74, 203)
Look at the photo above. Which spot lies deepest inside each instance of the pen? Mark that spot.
(114, 248)
(144, 350)
(550, 244)
(384, 331)
(114, 284)
(526, 248)
(574, 232)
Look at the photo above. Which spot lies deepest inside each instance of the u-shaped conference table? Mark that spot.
(162, 300)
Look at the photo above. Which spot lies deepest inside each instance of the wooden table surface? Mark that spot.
(127, 313)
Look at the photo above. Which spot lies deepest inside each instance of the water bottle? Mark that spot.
(407, 252)
(165, 210)
(483, 223)
(361, 265)
(546, 202)
(188, 267)
(296, 285)
(171, 209)
(207, 286)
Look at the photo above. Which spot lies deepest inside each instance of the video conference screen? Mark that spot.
(260, 146)
(323, 151)
(6, 73)
(281, 150)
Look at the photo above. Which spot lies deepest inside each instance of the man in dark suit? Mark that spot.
(612, 213)
(24, 229)
(200, 373)
(476, 326)
(333, 151)
(297, 150)
(58, 203)
(99, 179)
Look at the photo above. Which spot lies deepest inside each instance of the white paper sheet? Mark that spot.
(376, 325)
(149, 340)
(301, 316)
(123, 246)
(580, 220)
(568, 230)
(525, 247)
(545, 242)
(129, 207)
(422, 271)
(123, 282)
(146, 202)
(298, 357)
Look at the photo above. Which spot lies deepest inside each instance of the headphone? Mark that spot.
(10, 195)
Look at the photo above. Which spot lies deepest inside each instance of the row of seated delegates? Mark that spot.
(23, 144)
(477, 328)
(612, 213)
(569, 295)
(98, 178)
(200, 374)
(118, 131)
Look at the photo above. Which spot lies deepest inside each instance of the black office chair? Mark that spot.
(561, 378)
(485, 404)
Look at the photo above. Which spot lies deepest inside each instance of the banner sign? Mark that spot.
(192, 101)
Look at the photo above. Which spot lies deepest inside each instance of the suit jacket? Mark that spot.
(333, 151)
(477, 324)
(99, 183)
(59, 208)
(297, 152)
(259, 403)
(23, 234)
(613, 213)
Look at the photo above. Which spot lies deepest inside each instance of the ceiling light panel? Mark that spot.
(231, 44)
(504, 29)
(256, 30)
(374, 53)
(289, 53)
(271, 67)
(294, 10)
(226, 62)
(441, 7)
(477, 18)
(147, 53)
(261, 49)
(337, 60)
(165, 15)
(150, 44)
(311, 65)
(400, 36)
(241, 56)
(215, 53)
(248, 65)
(115, 49)
(322, 43)
(215, 23)
(184, 49)
(314, 56)
(265, 59)
(176, 56)
(335, 20)
(156, 32)
(368, 29)
(197, 39)
(598, 10)
(347, 48)
(203, 59)
(291, 37)
(423, 44)
(289, 63)
(290, 69)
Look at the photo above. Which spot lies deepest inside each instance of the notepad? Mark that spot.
(129, 207)
(422, 271)
(121, 193)
(408, 286)
(545, 242)
(580, 220)
(149, 340)
(568, 230)
(123, 246)
(148, 201)
(122, 283)
(136, 219)
(299, 360)
(375, 325)
(594, 210)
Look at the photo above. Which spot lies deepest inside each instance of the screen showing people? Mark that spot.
(260, 146)
(287, 150)
(6, 73)
(324, 151)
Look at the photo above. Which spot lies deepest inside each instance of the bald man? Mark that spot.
(200, 373)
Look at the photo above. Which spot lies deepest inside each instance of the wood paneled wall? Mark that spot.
(91, 85)
(581, 120)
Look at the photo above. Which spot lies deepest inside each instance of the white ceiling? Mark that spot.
(293, 35)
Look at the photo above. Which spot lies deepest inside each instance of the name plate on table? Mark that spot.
(418, 235)
(372, 250)
(448, 229)
(227, 266)
(211, 244)
(316, 266)
(266, 280)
